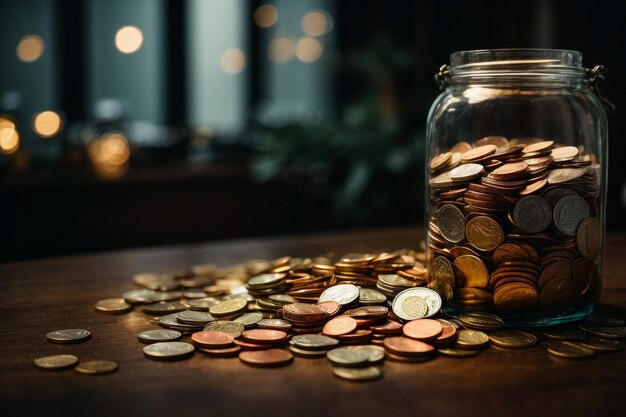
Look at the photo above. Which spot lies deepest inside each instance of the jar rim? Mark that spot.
(512, 58)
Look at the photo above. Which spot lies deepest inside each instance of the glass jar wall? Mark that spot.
(516, 166)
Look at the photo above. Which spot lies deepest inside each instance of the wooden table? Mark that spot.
(44, 295)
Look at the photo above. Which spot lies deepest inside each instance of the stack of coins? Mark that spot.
(514, 227)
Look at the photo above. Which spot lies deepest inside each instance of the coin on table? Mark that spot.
(448, 334)
(169, 350)
(423, 329)
(410, 308)
(369, 296)
(403, 346)
(138, 296)
(113, 306)
(211, 339)
(357, 374)
(473, 270)
(569, 211)
(471, 339)
(249, 319)
(407, 306)
(67, 336)
(202, 304)
(232, 328)
(451, 222)
(346, 357)
(564, 333)
(56, 362)
(304, 353)
(330, 307)
(228, 307)
(194, 317)
(532, 214)
(453, 352)
(162, 308)
(589, 237)
(344, 294)
(96, 367)
(263, 336)
(274, 324)
(481, 321)
(376, 354)
(569, 350)
(602, 345)
(466, 172)
(266, 358)
(606, 332)
(313, 341)
(266, 280)
(484, 233)
(339, 326)
(155, 336)
(515, 339)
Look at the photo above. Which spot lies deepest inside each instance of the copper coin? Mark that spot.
(304, 312)
(478, 153)
(564, 153)
(557, 270)
(511, 170)
(534, 187)
(499, 141)
(515, 299)
(448, 333)
(423, 329)
(474, 271)
(374, 312)
(266, 358)
(440, 161)
(388, 328)
(223, 353)
(357, 336)
(461, 147)
(589, 237)
(212, 339)
(330, 307)
(557, 296)
(339, 326)
(404, 346)
(539, 146)
(484, 233)
(264, 336)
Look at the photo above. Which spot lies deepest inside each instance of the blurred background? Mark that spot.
(152, 122)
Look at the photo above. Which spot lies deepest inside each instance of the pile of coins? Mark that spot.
(356, 328)
(514, 227)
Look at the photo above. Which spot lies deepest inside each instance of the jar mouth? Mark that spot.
(516, 57)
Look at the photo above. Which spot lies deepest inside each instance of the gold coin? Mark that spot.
(56, 362)
(569, 350)
(98, 367)
(484, 233)
(602, 345)
(515, 339)
(358, 374)
(228, 307)
(564, 333)
(589, 237)
(453, 352)
(113, 306)
(481, 321)
(473, 270)
(67, 336)
(471, 339)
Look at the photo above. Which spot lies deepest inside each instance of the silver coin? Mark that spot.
(56, 362)
(162, 308)
(357, 374)
(274, 324)
(369, 296)
(344, 294)
(194, 317)
(569, 211)
(170, 321)
(532, 214)
(282, 298)
(138, 296)
(432, 299)
(466, 172)
(232, 328)
(376, 354)
(266, 280)
(345, 357)
(555, 194)
(194, 294)
(304, 353)
(451, 222)
(169, 350)
(249, 319)
(164, 296)
(202, 304)
(97, 367)
(313, 341)
(156, 336)
(68, 336)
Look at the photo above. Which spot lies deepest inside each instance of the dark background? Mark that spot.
(359, 163)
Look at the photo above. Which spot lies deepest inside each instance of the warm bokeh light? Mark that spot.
(9, 138)
(47, 123)
(128, 39)
(309, 50)
(30, 48)
(265, 16)
(109, 155)
(281, 50)
(233, 61)
(316, 23)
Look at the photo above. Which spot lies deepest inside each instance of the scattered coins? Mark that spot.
(68, 336)
(56, 362)
(96, 367)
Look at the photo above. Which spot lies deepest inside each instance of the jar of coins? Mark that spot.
(516, 165)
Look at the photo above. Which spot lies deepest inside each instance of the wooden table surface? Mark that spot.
(44, 295)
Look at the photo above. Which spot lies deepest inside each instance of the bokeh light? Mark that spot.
(265, 16)
(281, 50)
(316, 23)
(309, 50)
(47, 123)
(128, 39)
(30, 48)
(233, 61)
(9, 137)
(109, 155)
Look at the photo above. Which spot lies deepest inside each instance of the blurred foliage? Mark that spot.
(369, 160)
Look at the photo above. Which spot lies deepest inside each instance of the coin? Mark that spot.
(388, 328)
(265, 280)
(138, 296)
(113, 306)
(228, 307)
(313, 342)
(155, 336)
(212, 339)
(481, 321)
(228, 352)
(557, 296)
(605, 331)
(410, 308)
(589, 237)
(304, 312)
(370, 296)
(232, 328)
(564, 153)
(458, 353)
(304, 353)
(461, 147)
(511, 170)
(194, 317)
(451, 223)
(423, 329)
(532, 214)
(466, 172)
(347, 357)
(473, 270)
(250, 319)
(569, 211)
(515, 298)
(357, 374)
(433, 301)
(376, 354)
(263, 336)
(601, 345)
(569, 350)
(68, 336)
(56, 362)
(440, 161)
(512, 339)
(339, 326)
(344, 294)
(563, 175)
(478, 153)
(403, 346)
(471, 339)
(539, 146)
(564, 333)
(96, 367)
(330, 307)
(169, 350)
(443, 271)
(274, 324)
(162, 308)
(266, 358)
(484, 233)
(448, 334)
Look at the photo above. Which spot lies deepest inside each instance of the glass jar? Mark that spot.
(516, 164)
